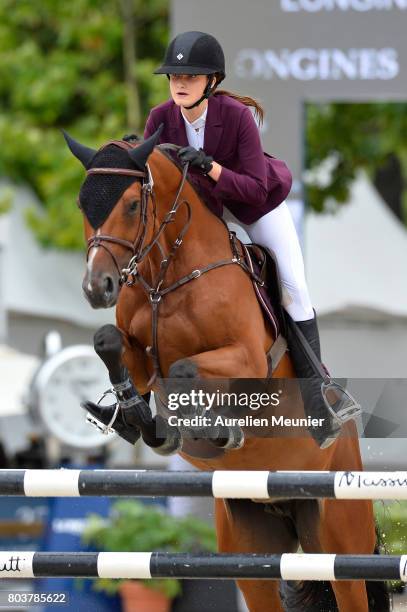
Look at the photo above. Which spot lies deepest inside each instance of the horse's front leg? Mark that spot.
(134, 358)
(133, 414)
(227, 362)
(232, 361)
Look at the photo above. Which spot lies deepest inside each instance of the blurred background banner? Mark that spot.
(287, 52)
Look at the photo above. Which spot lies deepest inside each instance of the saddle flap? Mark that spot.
(264, 264)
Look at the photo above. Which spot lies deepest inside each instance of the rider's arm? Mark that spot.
(250, 183)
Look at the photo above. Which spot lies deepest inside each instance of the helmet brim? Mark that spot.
(184, 70)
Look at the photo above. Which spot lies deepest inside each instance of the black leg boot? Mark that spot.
(308, 366)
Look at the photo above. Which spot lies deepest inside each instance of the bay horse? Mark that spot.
(211, 326)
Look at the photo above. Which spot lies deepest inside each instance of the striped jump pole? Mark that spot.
(141, 565)
(218, 484)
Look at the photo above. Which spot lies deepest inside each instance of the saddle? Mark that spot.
(263, 263)
(260, 262)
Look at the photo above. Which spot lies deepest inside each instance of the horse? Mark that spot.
(189, 310)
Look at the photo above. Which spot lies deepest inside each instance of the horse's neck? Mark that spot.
(206, 239)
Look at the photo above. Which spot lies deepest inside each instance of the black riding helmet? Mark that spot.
(195, 53)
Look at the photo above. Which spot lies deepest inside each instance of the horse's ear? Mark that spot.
(140, 154)
(84, 154)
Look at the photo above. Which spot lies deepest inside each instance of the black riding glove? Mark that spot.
(196, 158)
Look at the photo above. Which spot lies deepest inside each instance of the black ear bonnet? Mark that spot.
(100, 193)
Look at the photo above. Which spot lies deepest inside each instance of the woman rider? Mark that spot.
(221, 142)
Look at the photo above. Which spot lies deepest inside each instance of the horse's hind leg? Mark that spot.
(341, 527)
(348, 528)
(243, 526)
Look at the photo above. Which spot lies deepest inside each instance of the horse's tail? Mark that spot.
(309, 596)
(318, 596)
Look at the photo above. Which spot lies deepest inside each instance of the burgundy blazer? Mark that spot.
(252, 183)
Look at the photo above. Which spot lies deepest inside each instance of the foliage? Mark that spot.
(6, 200)
(134, 526)
(392, 521)
(68, 65)
(355, 136)
(61, 66)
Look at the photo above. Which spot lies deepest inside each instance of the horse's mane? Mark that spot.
(200, 195)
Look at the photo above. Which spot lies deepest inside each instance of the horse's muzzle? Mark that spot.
(101, 291)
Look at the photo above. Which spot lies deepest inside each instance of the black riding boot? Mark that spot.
(314, 404)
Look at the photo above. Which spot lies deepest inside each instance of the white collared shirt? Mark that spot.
(196, 130)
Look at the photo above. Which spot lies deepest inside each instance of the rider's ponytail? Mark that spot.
(246, 100)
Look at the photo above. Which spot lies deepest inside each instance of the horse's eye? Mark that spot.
(133, 206)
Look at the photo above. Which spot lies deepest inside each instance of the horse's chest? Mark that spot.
(171, 326)
(140, 327)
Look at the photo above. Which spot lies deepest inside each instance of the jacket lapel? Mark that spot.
(213, 127)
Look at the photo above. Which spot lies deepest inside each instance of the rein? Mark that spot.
(131, 274)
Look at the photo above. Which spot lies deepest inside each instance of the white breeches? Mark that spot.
(276, 231)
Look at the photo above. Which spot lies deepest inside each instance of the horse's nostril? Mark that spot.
(109, 286)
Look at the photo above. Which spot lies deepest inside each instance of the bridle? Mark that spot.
(131, 274)
(99, 240)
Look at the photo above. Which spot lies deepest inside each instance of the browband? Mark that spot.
(122, 144)
(125, 171)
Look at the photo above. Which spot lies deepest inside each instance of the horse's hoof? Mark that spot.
(108, 344)
(191, 411)
(183, 368)
(169, 442)
(104, 414)
(108, 341)
(232, 439)
(180, 374)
